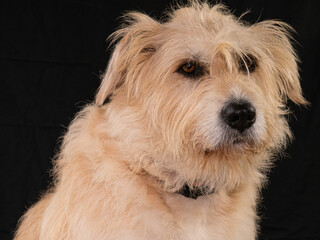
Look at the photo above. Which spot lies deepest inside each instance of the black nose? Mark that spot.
(239, 115)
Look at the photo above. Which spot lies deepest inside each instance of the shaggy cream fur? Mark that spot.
(122, 163)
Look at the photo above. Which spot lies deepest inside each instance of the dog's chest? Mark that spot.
(195, 217)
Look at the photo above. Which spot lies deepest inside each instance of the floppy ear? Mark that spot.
(136, 43)
(275, 35)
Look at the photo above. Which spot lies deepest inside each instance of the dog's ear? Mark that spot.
(277, 41)
(135, 44)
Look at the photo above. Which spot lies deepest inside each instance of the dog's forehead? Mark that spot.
(198, 32)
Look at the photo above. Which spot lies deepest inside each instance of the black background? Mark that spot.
(51, 56)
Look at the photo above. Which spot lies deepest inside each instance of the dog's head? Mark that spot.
(202, 83)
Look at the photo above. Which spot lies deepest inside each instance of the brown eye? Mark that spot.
(191, 69)
(248, 63)
(188, 68)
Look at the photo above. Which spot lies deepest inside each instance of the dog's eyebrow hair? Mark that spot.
(196, 59)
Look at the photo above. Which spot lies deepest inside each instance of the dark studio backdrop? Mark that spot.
(51, 56)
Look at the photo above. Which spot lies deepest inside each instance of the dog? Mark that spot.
(184, 127)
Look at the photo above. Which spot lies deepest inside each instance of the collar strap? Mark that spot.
(194, 192)
(185, 190)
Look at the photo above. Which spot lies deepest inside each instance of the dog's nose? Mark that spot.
(239, 115)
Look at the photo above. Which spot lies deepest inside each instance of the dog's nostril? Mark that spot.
(234, 117)
(239, 115)
(251, 115)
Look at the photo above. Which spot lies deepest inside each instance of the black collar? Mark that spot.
(185, 190)
(194, 192)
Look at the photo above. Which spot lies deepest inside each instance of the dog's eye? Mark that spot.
(248, 63)
(190, 69)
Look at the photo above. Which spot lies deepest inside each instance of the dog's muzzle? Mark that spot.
(239, 114)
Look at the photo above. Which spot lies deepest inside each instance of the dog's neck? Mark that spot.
(186, 190)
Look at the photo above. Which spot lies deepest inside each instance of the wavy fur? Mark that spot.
(121, 163)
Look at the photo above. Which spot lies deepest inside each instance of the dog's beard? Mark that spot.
(231, 141)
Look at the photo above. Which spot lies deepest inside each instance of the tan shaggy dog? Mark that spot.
(196, 111)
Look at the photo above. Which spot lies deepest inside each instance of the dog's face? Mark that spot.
(204, 84)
